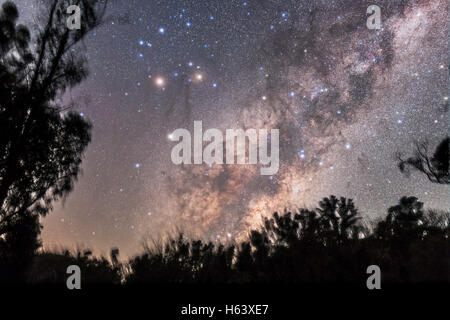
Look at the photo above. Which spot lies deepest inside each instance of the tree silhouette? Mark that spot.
(41, 140)
(408, 239)
(409, 244)
(402, 221)
(436, 167)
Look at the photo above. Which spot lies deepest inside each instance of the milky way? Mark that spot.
(344, 97)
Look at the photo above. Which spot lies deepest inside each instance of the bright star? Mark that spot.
(159, 81)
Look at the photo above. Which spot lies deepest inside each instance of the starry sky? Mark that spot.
(344, 97)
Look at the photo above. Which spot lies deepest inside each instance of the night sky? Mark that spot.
(345, 99)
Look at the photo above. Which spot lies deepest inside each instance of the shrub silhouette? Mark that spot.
(326, 245)
(182, 261)
(50, 268)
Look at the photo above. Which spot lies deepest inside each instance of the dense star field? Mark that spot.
(345, 99)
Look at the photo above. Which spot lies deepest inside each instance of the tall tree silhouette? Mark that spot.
(41, 140)
(436, 167)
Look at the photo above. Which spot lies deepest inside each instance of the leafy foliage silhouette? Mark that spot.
(50, 267)
(41, 141)
(326, 245)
